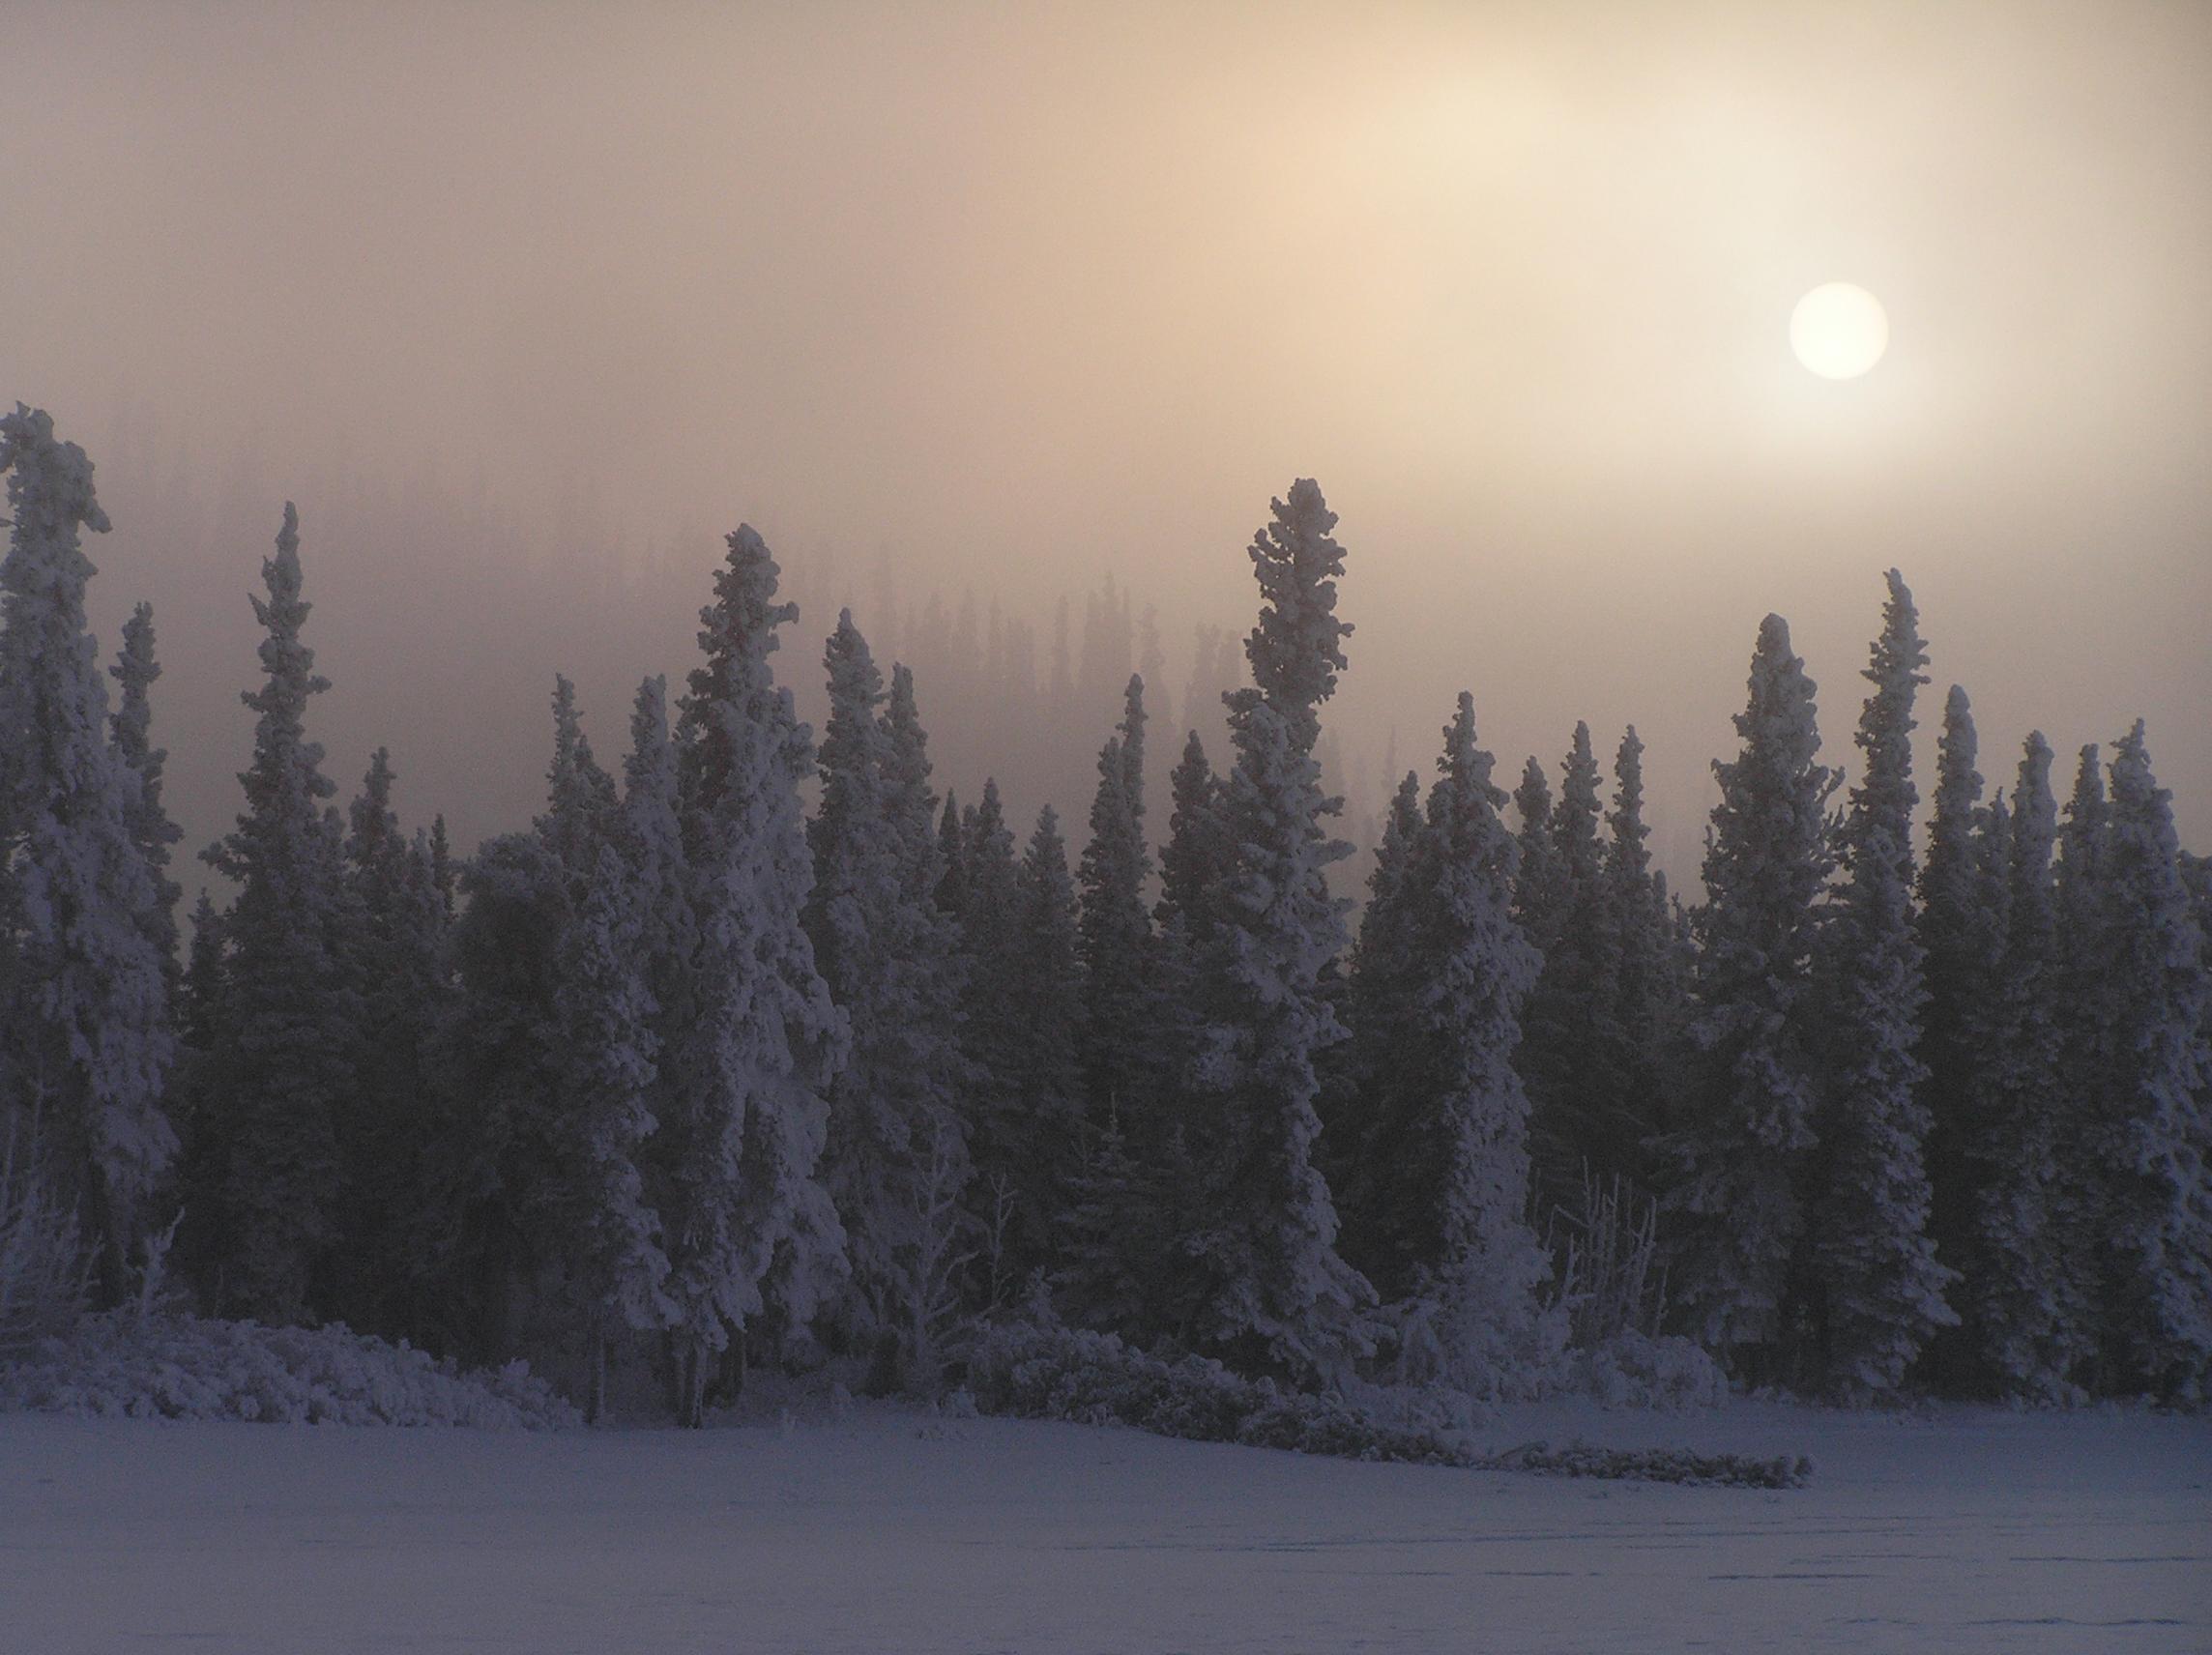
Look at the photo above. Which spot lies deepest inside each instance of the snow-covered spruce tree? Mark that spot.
(1361, 1122)
(1961, 936)
(941, 1224)
(883, 949)
(1278, 1295)
(1649, 984)
(746, 1217)
(282, 1070)
(1875, 1289)
(2022, 1299)
(130, 733)
(2156, 1142)
(399, 948)
(1451, 1143)
(1736, 1214)
(951, 889)
(85, 1046)
(1571, 1037)
(498, 1202)
(2082, 1000)
(579, 796)
(1048, 1075)
(1119, 1027)
(616, 1266)
(1195, 860)
(1538, 905)
(1115, 1224)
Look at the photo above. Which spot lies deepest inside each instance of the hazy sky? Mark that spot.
(553, 295)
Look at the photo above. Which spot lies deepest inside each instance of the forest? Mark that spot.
(753, 1050)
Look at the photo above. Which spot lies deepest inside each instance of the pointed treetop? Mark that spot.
(1298, 647)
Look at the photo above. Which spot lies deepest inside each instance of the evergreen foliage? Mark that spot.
(747, 1117)
(1276, 1291)
(85, 1040)
(282, 1072)
(1875, 1290)
(1742, 1149)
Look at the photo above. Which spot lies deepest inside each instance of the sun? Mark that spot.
(1839, 331)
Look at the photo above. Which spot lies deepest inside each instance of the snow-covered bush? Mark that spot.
(1094, 1378)
(1658, 1465)
(1640, 1370)
(43, 1260)
(184, 1368)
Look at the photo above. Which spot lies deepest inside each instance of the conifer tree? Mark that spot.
(282, 1070)
(1450, 1147)
(2155, 1143)
(1195, 860)
(2084, 1014)
(580, 795)
(748, 1117)
(1742, 1148)
(130, 733)
(85, 1047)
(1876, 1288)
(2021, 1298)
(617, 1263)
(883, 949)
(1962, 941)
(951, 889)
(1379, 1000)
(397, 941)
(1647, 975)
(1536, 893)
(1119, 1025)
(1279, 1293)
(1569, 1034)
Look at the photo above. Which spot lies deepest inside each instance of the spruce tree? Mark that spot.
(1569, 1034)
(579, 796)
(85, 1046)
(1741, 1149)
(1195, 860)
(615, 1257)
(1379, 1000)
(1962, 940)
(1279, 1293)
(284, 1068)
(1875, 1287)
(1120, 1026)
(749, 1117)
(2020, 1297)
(1450, 1147)
(1537, 894)
(2083, 999)
(2155, 1143)
(130, 733)
(1648, 978)
(883, 949)
(397, 942)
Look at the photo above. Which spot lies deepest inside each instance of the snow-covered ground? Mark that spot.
(886, 1531)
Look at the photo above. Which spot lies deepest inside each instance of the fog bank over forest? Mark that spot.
(525, 312)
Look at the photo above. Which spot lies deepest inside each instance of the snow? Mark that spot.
(881, 1529)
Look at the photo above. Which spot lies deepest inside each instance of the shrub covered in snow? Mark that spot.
(1094, 1378)
(185, 1367)
(1658, 1465)
(1640, 1370)
(1037, 1373)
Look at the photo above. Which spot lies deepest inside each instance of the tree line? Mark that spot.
(753, 1048)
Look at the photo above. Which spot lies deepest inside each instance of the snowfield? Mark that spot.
(886, 1530)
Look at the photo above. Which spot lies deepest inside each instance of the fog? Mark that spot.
(525, 306)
